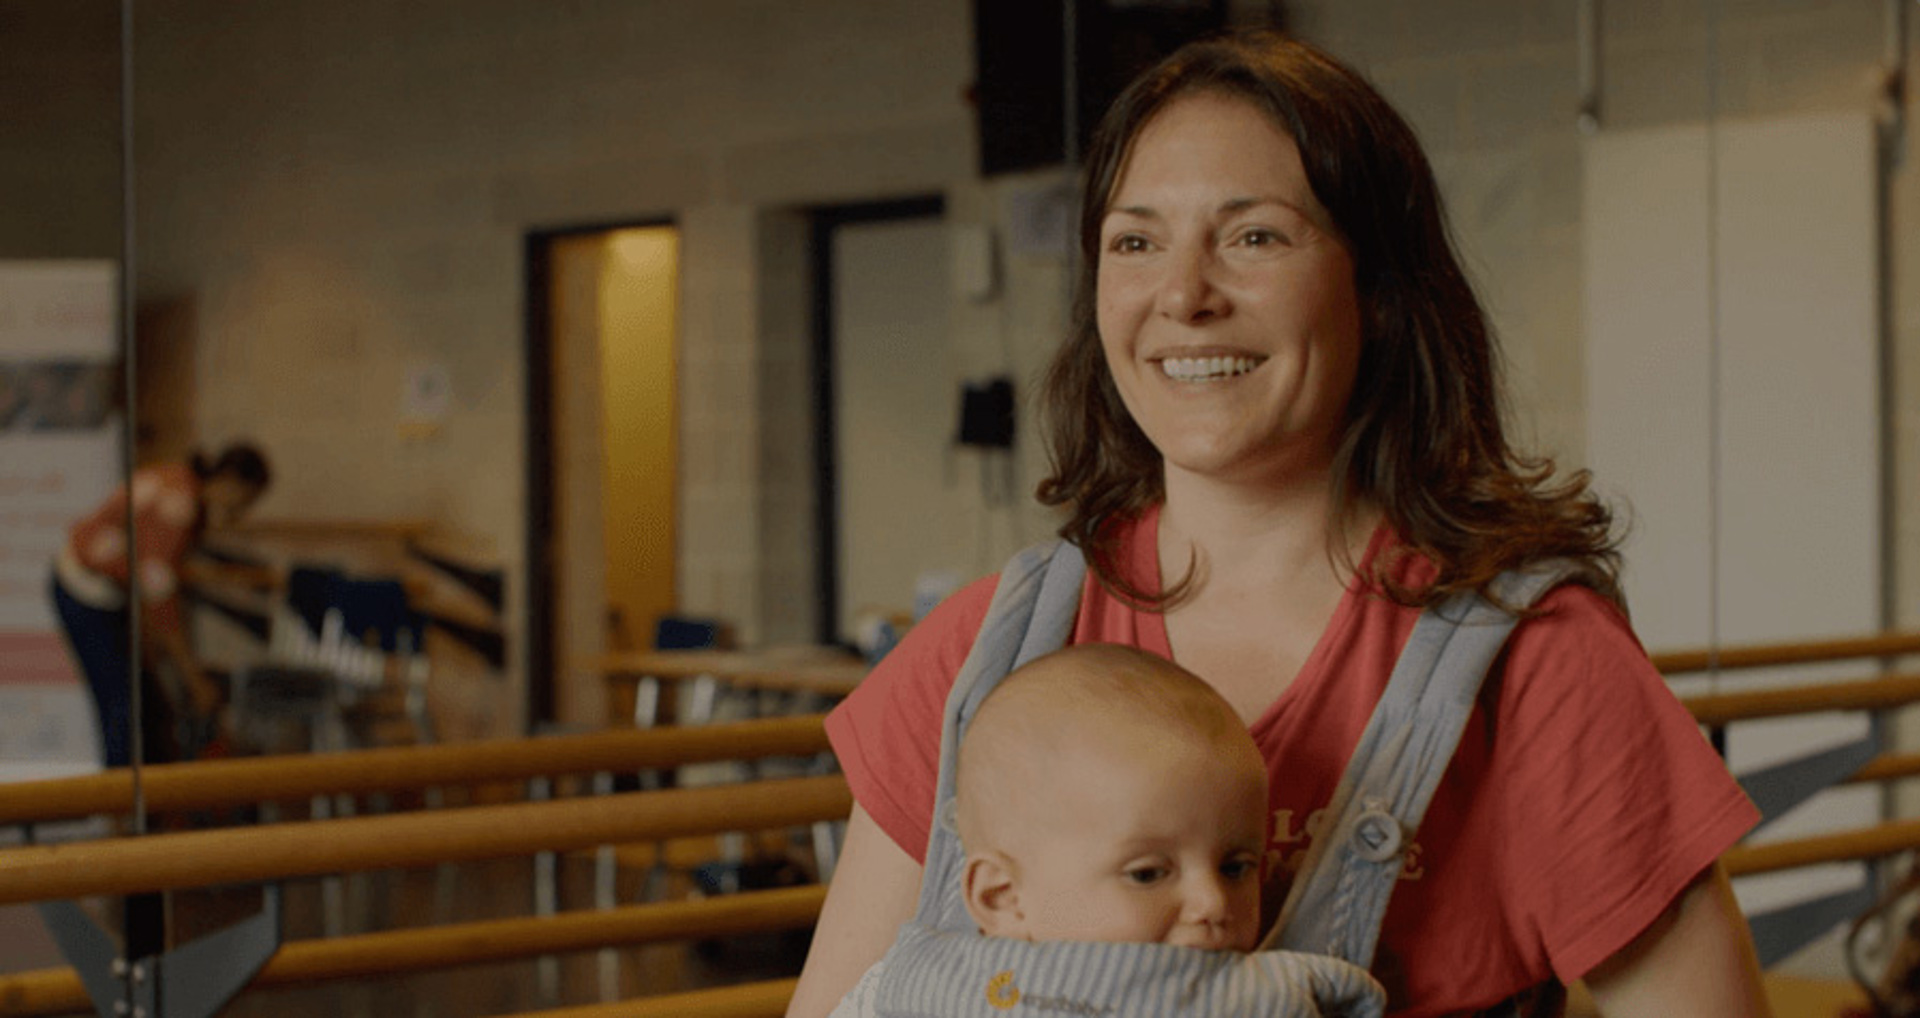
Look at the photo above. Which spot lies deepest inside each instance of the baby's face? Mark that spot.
(1157, 844)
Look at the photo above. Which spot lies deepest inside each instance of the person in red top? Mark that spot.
(171, 504)
(1276, 431)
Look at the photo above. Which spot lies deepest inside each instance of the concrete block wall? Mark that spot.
(788, 612)
(1492, 88)
(719, 414)
(344, 189)
(1015, 331)
(60, 129)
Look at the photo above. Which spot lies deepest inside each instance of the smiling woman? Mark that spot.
(1277, 428)
(1226, 307)
(1323, 181)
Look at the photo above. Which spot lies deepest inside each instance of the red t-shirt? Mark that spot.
(165, 503)
(1545, 850)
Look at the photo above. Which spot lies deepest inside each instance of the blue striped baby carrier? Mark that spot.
(1313, 962)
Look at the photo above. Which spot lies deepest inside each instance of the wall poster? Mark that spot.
(60, 455)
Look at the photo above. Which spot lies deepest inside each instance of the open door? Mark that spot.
(602, 457)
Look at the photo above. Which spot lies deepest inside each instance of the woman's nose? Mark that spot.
(1188, 290)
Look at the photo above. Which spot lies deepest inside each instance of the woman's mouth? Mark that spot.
(1207, 369)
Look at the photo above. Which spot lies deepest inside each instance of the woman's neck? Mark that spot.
(1258, 529)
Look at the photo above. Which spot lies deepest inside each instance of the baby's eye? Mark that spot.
(1146, 876)
(1238, 869)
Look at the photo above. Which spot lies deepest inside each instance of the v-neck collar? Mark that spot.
(1144, 562)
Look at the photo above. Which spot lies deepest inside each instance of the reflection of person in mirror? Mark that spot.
(171, 505)
(1276, 430)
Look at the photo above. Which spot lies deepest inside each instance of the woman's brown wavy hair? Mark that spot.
(1424, 437)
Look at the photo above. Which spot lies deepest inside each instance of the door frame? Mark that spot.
(822, 223)
(540, 661)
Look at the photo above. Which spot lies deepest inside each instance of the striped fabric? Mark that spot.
(937, 974)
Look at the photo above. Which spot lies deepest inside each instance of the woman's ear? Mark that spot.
(992, 894)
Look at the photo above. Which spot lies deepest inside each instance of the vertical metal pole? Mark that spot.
(143, 916)
(1070, 82)
(1892, 114)
(546, 899)
(1587, 43)
(606, 896)
(1715, 435)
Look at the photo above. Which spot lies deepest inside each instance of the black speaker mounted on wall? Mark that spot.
(1022, 61)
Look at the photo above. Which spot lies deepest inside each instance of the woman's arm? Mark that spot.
(202, 695)
(1696, 959)
(875, 888)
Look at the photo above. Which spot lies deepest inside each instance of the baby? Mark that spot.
(1108, 794)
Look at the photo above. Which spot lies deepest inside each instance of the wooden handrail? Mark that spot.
(242, 855)
(43, 991)
(219, 784)
(1888, 768)
(311, 527)
(1843, 846)
(1680, 662)
(742, 1000)
(1870, 694)
(59, 991)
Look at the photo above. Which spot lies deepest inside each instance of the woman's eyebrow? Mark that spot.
(1233, 205)
(1311, 213)
(1229, 207)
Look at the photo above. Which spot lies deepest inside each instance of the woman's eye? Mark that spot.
(1146, 875)
(1128, 243)
(1261, 236)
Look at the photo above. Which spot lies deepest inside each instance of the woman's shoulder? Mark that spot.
(933, 648)
(959, 614)
(166, 494)
(1579, 619)
(1578, 656)
(170, 473)
(886, 733)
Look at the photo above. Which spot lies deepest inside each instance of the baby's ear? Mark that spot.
(992, 895)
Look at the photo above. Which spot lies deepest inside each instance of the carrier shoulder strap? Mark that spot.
(1340, 896)
(1031, 614)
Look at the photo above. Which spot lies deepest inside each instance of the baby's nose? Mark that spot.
(1209, 895)
(1207, 905)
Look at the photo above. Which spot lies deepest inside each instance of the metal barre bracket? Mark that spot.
(194, 980)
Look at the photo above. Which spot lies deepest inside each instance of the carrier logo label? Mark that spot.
(1001, 992)
(1004, 996)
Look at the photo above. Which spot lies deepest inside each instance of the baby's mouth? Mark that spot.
(1207, 369)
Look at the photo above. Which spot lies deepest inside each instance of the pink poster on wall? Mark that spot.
(59, 457)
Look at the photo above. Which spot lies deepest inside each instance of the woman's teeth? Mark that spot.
(1202, 369)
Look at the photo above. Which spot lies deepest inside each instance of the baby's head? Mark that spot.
(1108, 794)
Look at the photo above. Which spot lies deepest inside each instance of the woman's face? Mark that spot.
(1226, 301)
(227, 499)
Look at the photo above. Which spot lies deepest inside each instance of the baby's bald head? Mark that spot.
(1083, 698)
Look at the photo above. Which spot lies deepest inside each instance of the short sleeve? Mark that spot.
(1615, 800)
(887, 733)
